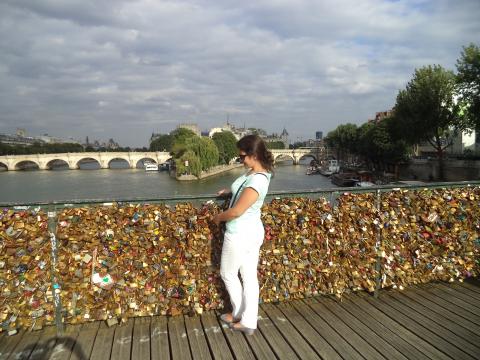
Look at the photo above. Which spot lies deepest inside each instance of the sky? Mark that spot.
(123, 69)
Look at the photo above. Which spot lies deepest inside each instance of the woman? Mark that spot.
(244, 233)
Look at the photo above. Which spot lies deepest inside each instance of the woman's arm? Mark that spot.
(247, 199)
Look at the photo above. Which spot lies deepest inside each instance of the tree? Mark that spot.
(378, 146)
(188, 163)
(276, 144)
(343, 139)
(162, 142)
(468, 84)
(426, 110)
(227, 146)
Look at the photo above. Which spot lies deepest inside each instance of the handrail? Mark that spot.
(206, 197)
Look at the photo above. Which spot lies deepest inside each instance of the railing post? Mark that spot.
(378, 245)
(52, 231)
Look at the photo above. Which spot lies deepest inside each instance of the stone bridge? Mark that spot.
(46, 161)
(317, 153)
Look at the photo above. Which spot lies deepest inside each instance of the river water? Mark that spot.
(117, 184)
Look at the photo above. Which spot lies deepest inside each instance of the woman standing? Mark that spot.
(244, 233)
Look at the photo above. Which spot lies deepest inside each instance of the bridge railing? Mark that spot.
(113, 259)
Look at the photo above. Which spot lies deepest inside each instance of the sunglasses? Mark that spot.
(242, 156)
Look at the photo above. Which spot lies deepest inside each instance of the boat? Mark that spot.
(311, 170)
(330, 168)
(165, 166)
(149, 166)
(344, 179)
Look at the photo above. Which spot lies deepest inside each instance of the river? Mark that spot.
(67, 185)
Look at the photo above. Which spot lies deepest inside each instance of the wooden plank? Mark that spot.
(45, 344)
(196, 338)
(237, 342)
(280, 347)
(382, 346)
(26, 345)
(259, 346)
(122, 341)
(9, 343)
(339, 326)
(466, 290)
(141, 339)
(160, 347)
(473, 285)
(178, 338)
(85, 340)
(458, 294)
(452, 308)
(457, 319)
(344, 349)
(294, 339)
(385, 328)
(102, 347)
(461, 337)
(454, 300)
(216, 341)
(65, 344)
(416, 327)
(318, 343)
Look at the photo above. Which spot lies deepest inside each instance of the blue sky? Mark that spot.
(125, 68)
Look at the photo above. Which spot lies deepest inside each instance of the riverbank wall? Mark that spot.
(428, 170)
(212, 172)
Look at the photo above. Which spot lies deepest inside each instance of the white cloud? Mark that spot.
(125, 68)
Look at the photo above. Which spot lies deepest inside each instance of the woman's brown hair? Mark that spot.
(254, 145)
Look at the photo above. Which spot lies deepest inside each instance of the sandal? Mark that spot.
(228, 318)
(239, 327)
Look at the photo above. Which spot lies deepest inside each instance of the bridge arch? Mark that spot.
(86, 160)
(283, 156)
(50, 163)
(140, 162)
(3, 166)
(124, 160)
(26, 164)
(306, 156)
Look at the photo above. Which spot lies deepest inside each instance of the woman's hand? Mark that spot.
(216, 220)
(224, 193)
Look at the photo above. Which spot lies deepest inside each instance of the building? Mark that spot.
(319, 135)
(379, 116)
(21, 138)
(460, 143)
(283, 137)
(193, 127)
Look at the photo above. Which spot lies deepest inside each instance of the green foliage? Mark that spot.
(39, 148)
(227, 146)
(468, 84)
(343, 139)
(194, 167)
(205, 149)
(195, 149)
(426, 110)
(275, 145)
(376, 143)
(163, 142)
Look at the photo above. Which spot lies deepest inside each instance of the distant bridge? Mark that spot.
(73, 160)
(317, 153)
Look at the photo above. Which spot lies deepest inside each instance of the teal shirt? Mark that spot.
(250, 219)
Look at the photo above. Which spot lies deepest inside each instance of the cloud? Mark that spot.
(123, 69)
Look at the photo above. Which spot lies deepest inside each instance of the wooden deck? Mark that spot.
(433, 321)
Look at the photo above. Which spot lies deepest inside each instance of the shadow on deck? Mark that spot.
(431, 321)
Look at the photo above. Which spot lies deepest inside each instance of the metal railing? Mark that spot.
(330, 194)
